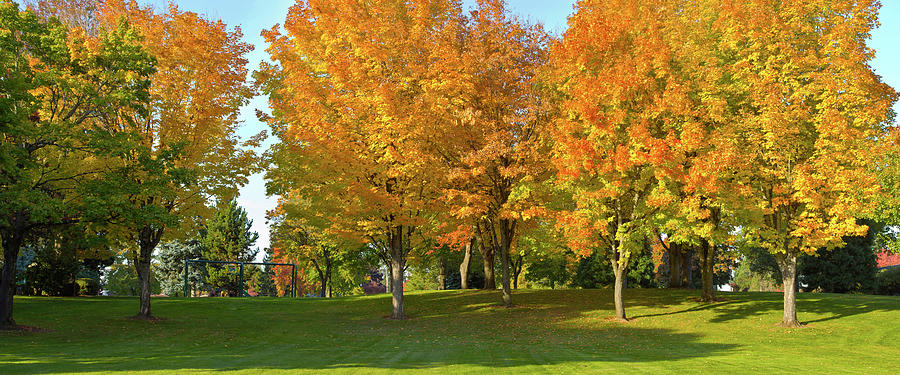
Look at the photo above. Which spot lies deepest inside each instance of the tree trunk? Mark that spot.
(507, 230)
(504, 266)
(620, 268)
(327, 283)
(707, 263)
(323, 278)
(788, 264)
(517, 270)
(464, 266)
(387, 277)
(676, 263)
(148, 238)
(442, 278)
(324, 282)
(143, 271)
(487, 252)
(619, 271)
(11, 246)
(396, 243)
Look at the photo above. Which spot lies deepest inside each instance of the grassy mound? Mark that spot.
(566, 331)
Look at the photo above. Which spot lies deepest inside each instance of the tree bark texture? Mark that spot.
(324, 272)
(507, 228)
(676, 263)
(12, 242)
(396, 243)
(487, 253)
(327, 285)
(707, 264)
(788, 264)
(619, 271)
(620, 268)
(148, 238)
(518, 264)
(442, 278)
(13, 236)
(464, 266)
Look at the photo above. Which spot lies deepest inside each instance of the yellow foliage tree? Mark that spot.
(353, 98)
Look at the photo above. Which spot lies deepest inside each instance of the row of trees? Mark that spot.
(118, 120)
(407, 124)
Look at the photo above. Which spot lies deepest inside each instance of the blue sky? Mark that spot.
(255, 15)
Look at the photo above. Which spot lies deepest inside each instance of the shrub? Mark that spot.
(889, 281)
(86, 287)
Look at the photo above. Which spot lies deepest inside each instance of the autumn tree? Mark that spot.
(186, 131)
(75, 14)
(615, 148)
(307, 243)
(493, 153)
(813, 113)
(57, 88)
(352, 95)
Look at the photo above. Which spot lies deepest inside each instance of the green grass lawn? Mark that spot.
(564, 331)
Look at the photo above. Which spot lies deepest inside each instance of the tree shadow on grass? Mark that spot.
(834, 306)
(464, 329)
(739, 306)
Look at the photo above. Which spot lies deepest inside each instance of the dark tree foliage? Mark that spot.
(122, 280)
(761, 262)
(595, 271)
(847, 269)
(53, 270)
(170, 272)
(550, 269)
(227, 237)
(262, 280)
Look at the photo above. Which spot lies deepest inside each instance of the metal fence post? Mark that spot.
(241, 293)
(294, 281)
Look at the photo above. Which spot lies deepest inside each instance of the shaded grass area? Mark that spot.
(564, 331)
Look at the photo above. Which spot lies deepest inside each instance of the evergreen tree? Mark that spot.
(227, 237)
(171, 257)
(846, 269)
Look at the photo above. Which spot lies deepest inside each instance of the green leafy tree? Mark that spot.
(227, 237)
(122, 280)
(57, 87)
(550, 269)
(593, 271)
(263, 281)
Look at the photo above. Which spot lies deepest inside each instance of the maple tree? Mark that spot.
(494, 153)
(352, 95)
(186, 148)
(308, 245)
(75, 14)
(812, 112)
(58, 87)
(616, 143)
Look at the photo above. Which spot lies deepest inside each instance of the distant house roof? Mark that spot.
(888, 259)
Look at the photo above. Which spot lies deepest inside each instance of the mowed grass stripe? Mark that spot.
(548, 331)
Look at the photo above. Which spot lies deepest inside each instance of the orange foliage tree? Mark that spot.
(616, 147)
(353, 96)
(707, 184)
(492, 152)
(813, 112)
